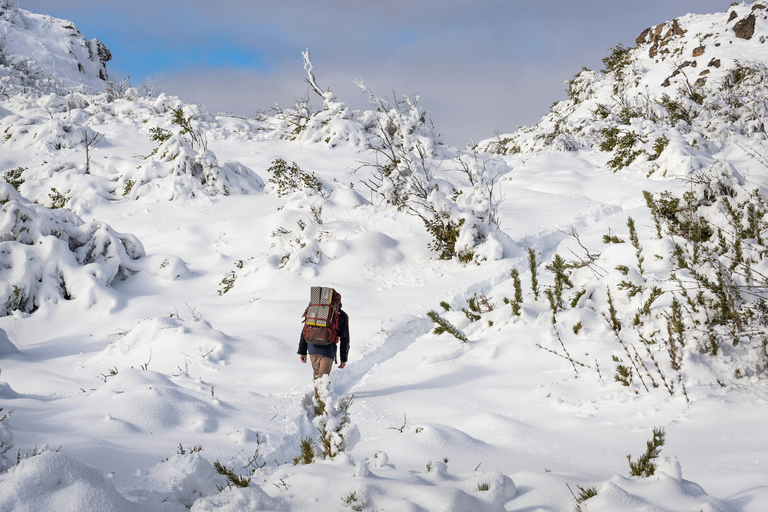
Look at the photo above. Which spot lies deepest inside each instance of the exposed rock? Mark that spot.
(745, 28)
(698, 52)
(705, 72)
(733, 16)
(694, 64)
(642, 38)
(758, 6)
(99, 51)
(659, 38)
(714, 63)
(701, 81)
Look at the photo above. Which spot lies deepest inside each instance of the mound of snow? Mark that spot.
(52, 481)
(134, 401)
(52, 254)
(168, 345)
(6, 345)
(183, 479)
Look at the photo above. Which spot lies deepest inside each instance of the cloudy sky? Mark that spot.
(478, 66)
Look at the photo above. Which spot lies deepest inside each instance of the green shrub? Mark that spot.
(617, 60)
(128, 186)
(290, 178)
(445, 233)
(57, 199)
(622, 145)
(13, 177)
(659, 145)
(676, 111)
(307, 454)
(158, 134)
(644, 465)
(444, 325)
(232, 478)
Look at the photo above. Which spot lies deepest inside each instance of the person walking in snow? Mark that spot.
(322, 357)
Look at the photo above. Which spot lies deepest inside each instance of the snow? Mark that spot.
(151, 314)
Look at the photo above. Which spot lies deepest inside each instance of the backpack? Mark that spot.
(321, 318)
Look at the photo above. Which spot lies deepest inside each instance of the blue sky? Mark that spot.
(478, 66)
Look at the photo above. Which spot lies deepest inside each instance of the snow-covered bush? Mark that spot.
(6, 437)
(47, 255)
(290, 178)
(337, 433)
(333, 125)
(405, 176)
(176, 170)
(703, 292)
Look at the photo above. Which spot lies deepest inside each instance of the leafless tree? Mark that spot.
(90, 139)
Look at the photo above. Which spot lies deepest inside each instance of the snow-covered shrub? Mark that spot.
(13, 177)
(286, 179)
(51, 134)
(703, 292)
(184, 478)
(644, 465)
(47, 255)
(6, 437)
(337, 433)
(176, 170)
(333, 125)
(404, 175)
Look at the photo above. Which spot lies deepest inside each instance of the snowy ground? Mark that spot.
(222, 369)
(121, 386)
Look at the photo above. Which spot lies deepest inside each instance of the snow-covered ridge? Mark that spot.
(44, 45)
(699, 79)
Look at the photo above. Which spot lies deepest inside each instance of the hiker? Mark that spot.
(323, 356)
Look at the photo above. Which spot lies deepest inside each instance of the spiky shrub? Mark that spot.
(585, 494)
(353, 501)
(228, 282)
(644, 465)
(444, 325)
(232, 478)
(128, 186)
(623, 373)
(306, 452)
(636, 243)
(532, 267)
(158, 134)
(290, 178)
(559, 269)
(518, 300)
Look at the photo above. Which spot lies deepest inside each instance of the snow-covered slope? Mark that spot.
(590, 281)
(50, 49)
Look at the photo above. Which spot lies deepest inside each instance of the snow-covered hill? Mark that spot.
(50, 49)
(597, 281)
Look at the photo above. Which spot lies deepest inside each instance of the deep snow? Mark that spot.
(127, 374)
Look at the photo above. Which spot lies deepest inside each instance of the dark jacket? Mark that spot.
(330, 350)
